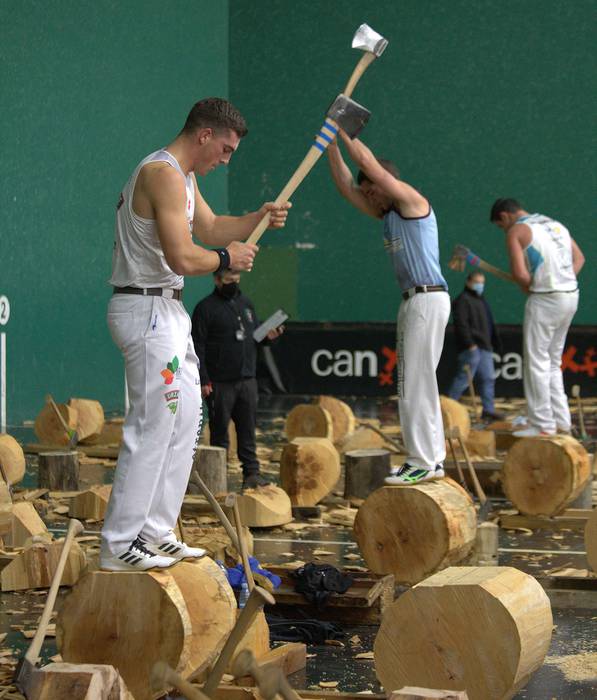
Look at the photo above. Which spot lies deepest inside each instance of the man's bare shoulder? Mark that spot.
(158, 184)
(520, 233)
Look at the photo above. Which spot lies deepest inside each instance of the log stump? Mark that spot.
(25, 523)
(5, 510)
(90, 419)
(12, 459)
(309, 470)
(343, 420)
(365, 471)
(543, 475)
(414, 531)
(77, 682)
(181, 615)
(485, 630)
(48, 428)
(210, 463)
(309, 420)
(58, 471)
(455, 415)
(591, 540)
(90, 504)
(363, 438)
(265, 506)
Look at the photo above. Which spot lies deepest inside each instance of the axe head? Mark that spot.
(367, 39)
(349, 115)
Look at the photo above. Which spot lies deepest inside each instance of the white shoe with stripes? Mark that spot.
(171, 547)
(136, 558)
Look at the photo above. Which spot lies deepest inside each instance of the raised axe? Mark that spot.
(462, 255)
(256, 600)
(73, 437)
(27, 666)
(162, 676)
(453, 433)
(198, 481)
(232, 504)
(581, 418)
(270, 680)
(373, 44)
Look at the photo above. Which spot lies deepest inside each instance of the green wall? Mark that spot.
(88, 88)
(473, 99)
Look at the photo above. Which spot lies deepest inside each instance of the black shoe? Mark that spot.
(252, 481)
(492, 415)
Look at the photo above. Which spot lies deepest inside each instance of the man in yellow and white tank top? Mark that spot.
(545, 261)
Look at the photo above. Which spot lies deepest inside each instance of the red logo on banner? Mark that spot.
(587, 366)
(385, 376)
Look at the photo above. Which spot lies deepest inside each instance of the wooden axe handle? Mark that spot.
(365, 61)
(232, 503)
(270, 680)
(162, 675)
(69, 431)
(496, 271)
(217, 510)
(476, 484)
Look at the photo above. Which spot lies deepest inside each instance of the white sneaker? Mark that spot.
(136, 558)
(520, 420)
(439, 471)
(407, 474)
(171, 547)
(530, 432)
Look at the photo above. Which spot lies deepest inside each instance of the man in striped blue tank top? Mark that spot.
(545, 260)
(411, 240)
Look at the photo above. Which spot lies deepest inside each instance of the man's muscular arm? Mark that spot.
(517, 238)
(345, 183)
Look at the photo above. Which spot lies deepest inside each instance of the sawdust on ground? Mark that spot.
(576, 667)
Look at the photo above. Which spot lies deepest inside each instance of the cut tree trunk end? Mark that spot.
(365, 471)
(343, 420)
(58, 471)
(265, 506)
(49, 429)
(543, 475)
(309, 420)
(12, 459)
(77, 682)
(309, 470)
(90, 419)
(414, 531)
(483, 629)
(455, 415)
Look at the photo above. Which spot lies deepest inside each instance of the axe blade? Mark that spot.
(349, 115)
(367, 39)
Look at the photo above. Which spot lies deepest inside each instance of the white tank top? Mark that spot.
(549, 255)
(138, 259)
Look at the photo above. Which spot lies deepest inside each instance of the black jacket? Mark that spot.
(216, 321)
(473, 322)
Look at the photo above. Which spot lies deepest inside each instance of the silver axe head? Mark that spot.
(367, 39)
(349, 115)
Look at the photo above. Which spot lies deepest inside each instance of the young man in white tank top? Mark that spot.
(159, 211)
(545, 261)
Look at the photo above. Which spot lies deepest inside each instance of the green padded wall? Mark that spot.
(89, 88)
(473, 100)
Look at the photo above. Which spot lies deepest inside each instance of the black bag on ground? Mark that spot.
(318, 581)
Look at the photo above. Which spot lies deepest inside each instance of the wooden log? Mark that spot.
(211, 464)
(365, 471)
(78, 682)
(5, 509)
(543, 475)
(12, 459)
(481, 443)
(309, 420)
(414, 531)
(90, 419)
(58, 471)
(485, 551)
(255, 639)
(309, 470)
(90, 504)
(343, 420)
(36, 565)
(265, 506)
(131, 620)
(25, 524)
(363, 438)
(455, 414)
(111, 432)
(485, 630)
(48, 428)
(591, 540)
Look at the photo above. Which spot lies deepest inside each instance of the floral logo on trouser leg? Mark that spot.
(170, 372)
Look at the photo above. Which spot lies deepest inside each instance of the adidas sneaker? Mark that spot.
(171, 547)
(135, 558)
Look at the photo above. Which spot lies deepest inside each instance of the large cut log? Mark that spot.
(25, 523)
(77, 682)
(35, 566)
(343, 420)
(265, 506)
(12, 459)
(255, 639)
(309, 470)
(49, 429)
(181, 615)
(365, 471)
(543, 475)
(455, 415)
(485, 630)
(309, 420)
(90, 504)
(90, 419)
(210, 464)
(58, 471)
(414, 531)
(363, 438)
(591, 540)
(481, 443)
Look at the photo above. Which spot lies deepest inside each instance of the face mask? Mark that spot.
(478, 287)
(229, 289)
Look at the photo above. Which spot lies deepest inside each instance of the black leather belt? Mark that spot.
(151, 292)
(423, 290)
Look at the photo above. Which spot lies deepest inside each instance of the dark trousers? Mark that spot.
(236, 401)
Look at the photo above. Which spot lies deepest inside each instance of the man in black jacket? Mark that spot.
(476, 338)
(222, 329)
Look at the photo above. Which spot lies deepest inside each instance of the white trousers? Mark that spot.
(422, 321)
(547, 318)
(163, 422)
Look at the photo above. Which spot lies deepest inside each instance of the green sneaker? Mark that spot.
(407, 475)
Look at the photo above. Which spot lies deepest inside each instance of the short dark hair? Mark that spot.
(475, 273)
(505, 204)
(217, 114)
(385, 164)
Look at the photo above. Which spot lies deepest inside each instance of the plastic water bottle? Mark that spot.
(244, 594)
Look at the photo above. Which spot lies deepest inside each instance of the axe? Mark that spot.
(163, 676)
(462, 255)
(575, 391)
(373, 44)
(73, 437)
(232, 504)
